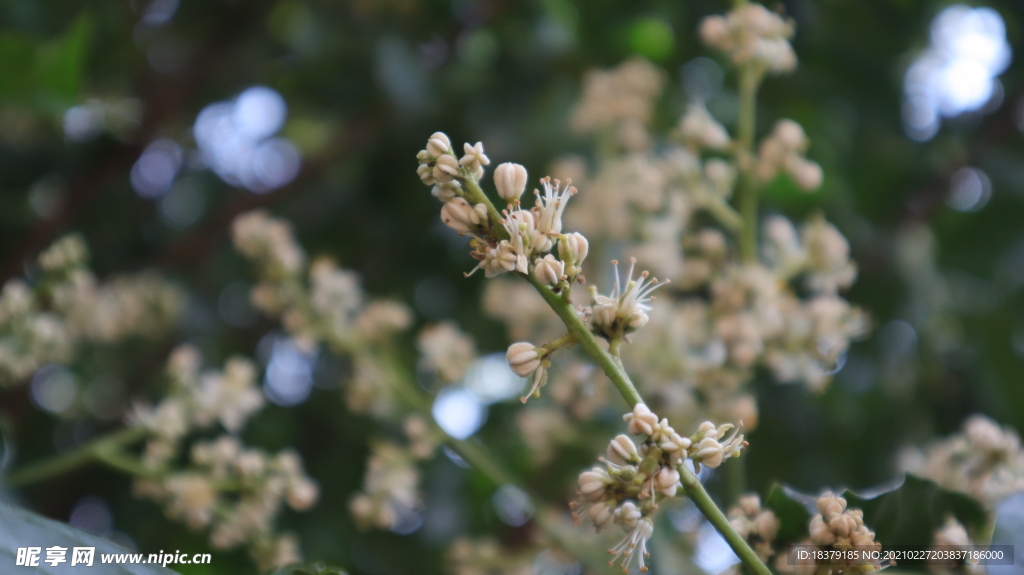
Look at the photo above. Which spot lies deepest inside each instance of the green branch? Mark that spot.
(93, 451)
(748, 189)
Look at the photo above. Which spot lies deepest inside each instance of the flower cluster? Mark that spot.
(236, 493)
(751, 34)
(65, 307)
(986, 461)
(323, 304)
(619, 102)
(195, 401)
(391, 488)
(783, 151)
(757, 525)
(624, 492)
(837, 527)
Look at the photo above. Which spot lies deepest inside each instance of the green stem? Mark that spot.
(725, 214)
(695, 491)
(474, 194)
(747, 193)
(561, 342)
(588, 342)
(614, 370)
(85, 454)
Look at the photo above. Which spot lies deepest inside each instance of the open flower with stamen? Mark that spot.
(712, 447)
(625, 310)
(550, 205)
(634, 544)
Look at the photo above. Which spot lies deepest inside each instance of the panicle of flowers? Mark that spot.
(751, 34)
(323, 304)
(783, 151)
(64, 308)
(757, 525)
(391, 485)
(619, 101)
(625, 490)
(196, 400)
(985, 461)
(446, 351)
(837, 527)
(236, 493)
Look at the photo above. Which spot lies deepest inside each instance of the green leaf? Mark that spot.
(791, 507)
(21, 528)
(911, 512)
(309, 569)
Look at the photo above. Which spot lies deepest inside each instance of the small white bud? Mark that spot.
(446, 168)
(523, 358)
(641, 420)
(443, 193)
(510, 180)
(438, 144)
(593, 482)
(709, 452)
(628, 514)
(790, 134)
(548, 270)
(460, 216)
(665, 481)
(621, 451)
(807, 174)
(426, 174)
(572, 249)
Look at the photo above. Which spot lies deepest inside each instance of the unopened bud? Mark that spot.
(523, 358)
(510, 180)
(548, 270)
(438, 144)
(460, 216)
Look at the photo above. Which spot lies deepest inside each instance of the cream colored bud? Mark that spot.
(843, 525)
(807, 174)
(750, 505)
(666, 480)
(767, 525)
(628, 514)
(523, 358)
(573, 248)
(709, 452)
(641, 420)
(548, 270)
(443, 193)
(714, 31)
(820, 533)
(460, 216)
(446, 168)
(426, 174)
(601, 515)
(510, 180)
(592, 483)
(830, 506)
(302, 495)
(621, 451)
(438, 144)
(790, 134)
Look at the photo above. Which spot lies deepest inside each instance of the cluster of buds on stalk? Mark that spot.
(835, 526)
(757, 525)
(625, 491)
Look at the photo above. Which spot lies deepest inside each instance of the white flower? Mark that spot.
(641, 420)
(523, 358)
(625, 310)
(462, 217)
(475, 158)
(548, 270)
(510, 180)
(635, 544)
(498, 260)
(550, 205)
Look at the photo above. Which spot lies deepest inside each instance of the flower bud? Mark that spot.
(438, 144)
(807, 174)
(665, 481)
(790, 134)
(523, 358)
(443, 193)
(572, 249)
(602, 515)
(641, 420)
(460, 216)
(593, 482)
(510, 180)
(767, 525)
(446, 168)
(548, 270)
(820, 533)
(628, 514)
(714, 31)
(621, 451)
(709, 452)
(426, 174)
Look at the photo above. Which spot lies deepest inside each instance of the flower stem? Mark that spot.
(588, 342)
(614, 370)
(474, 194)
(88, 453)
(695, 491)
